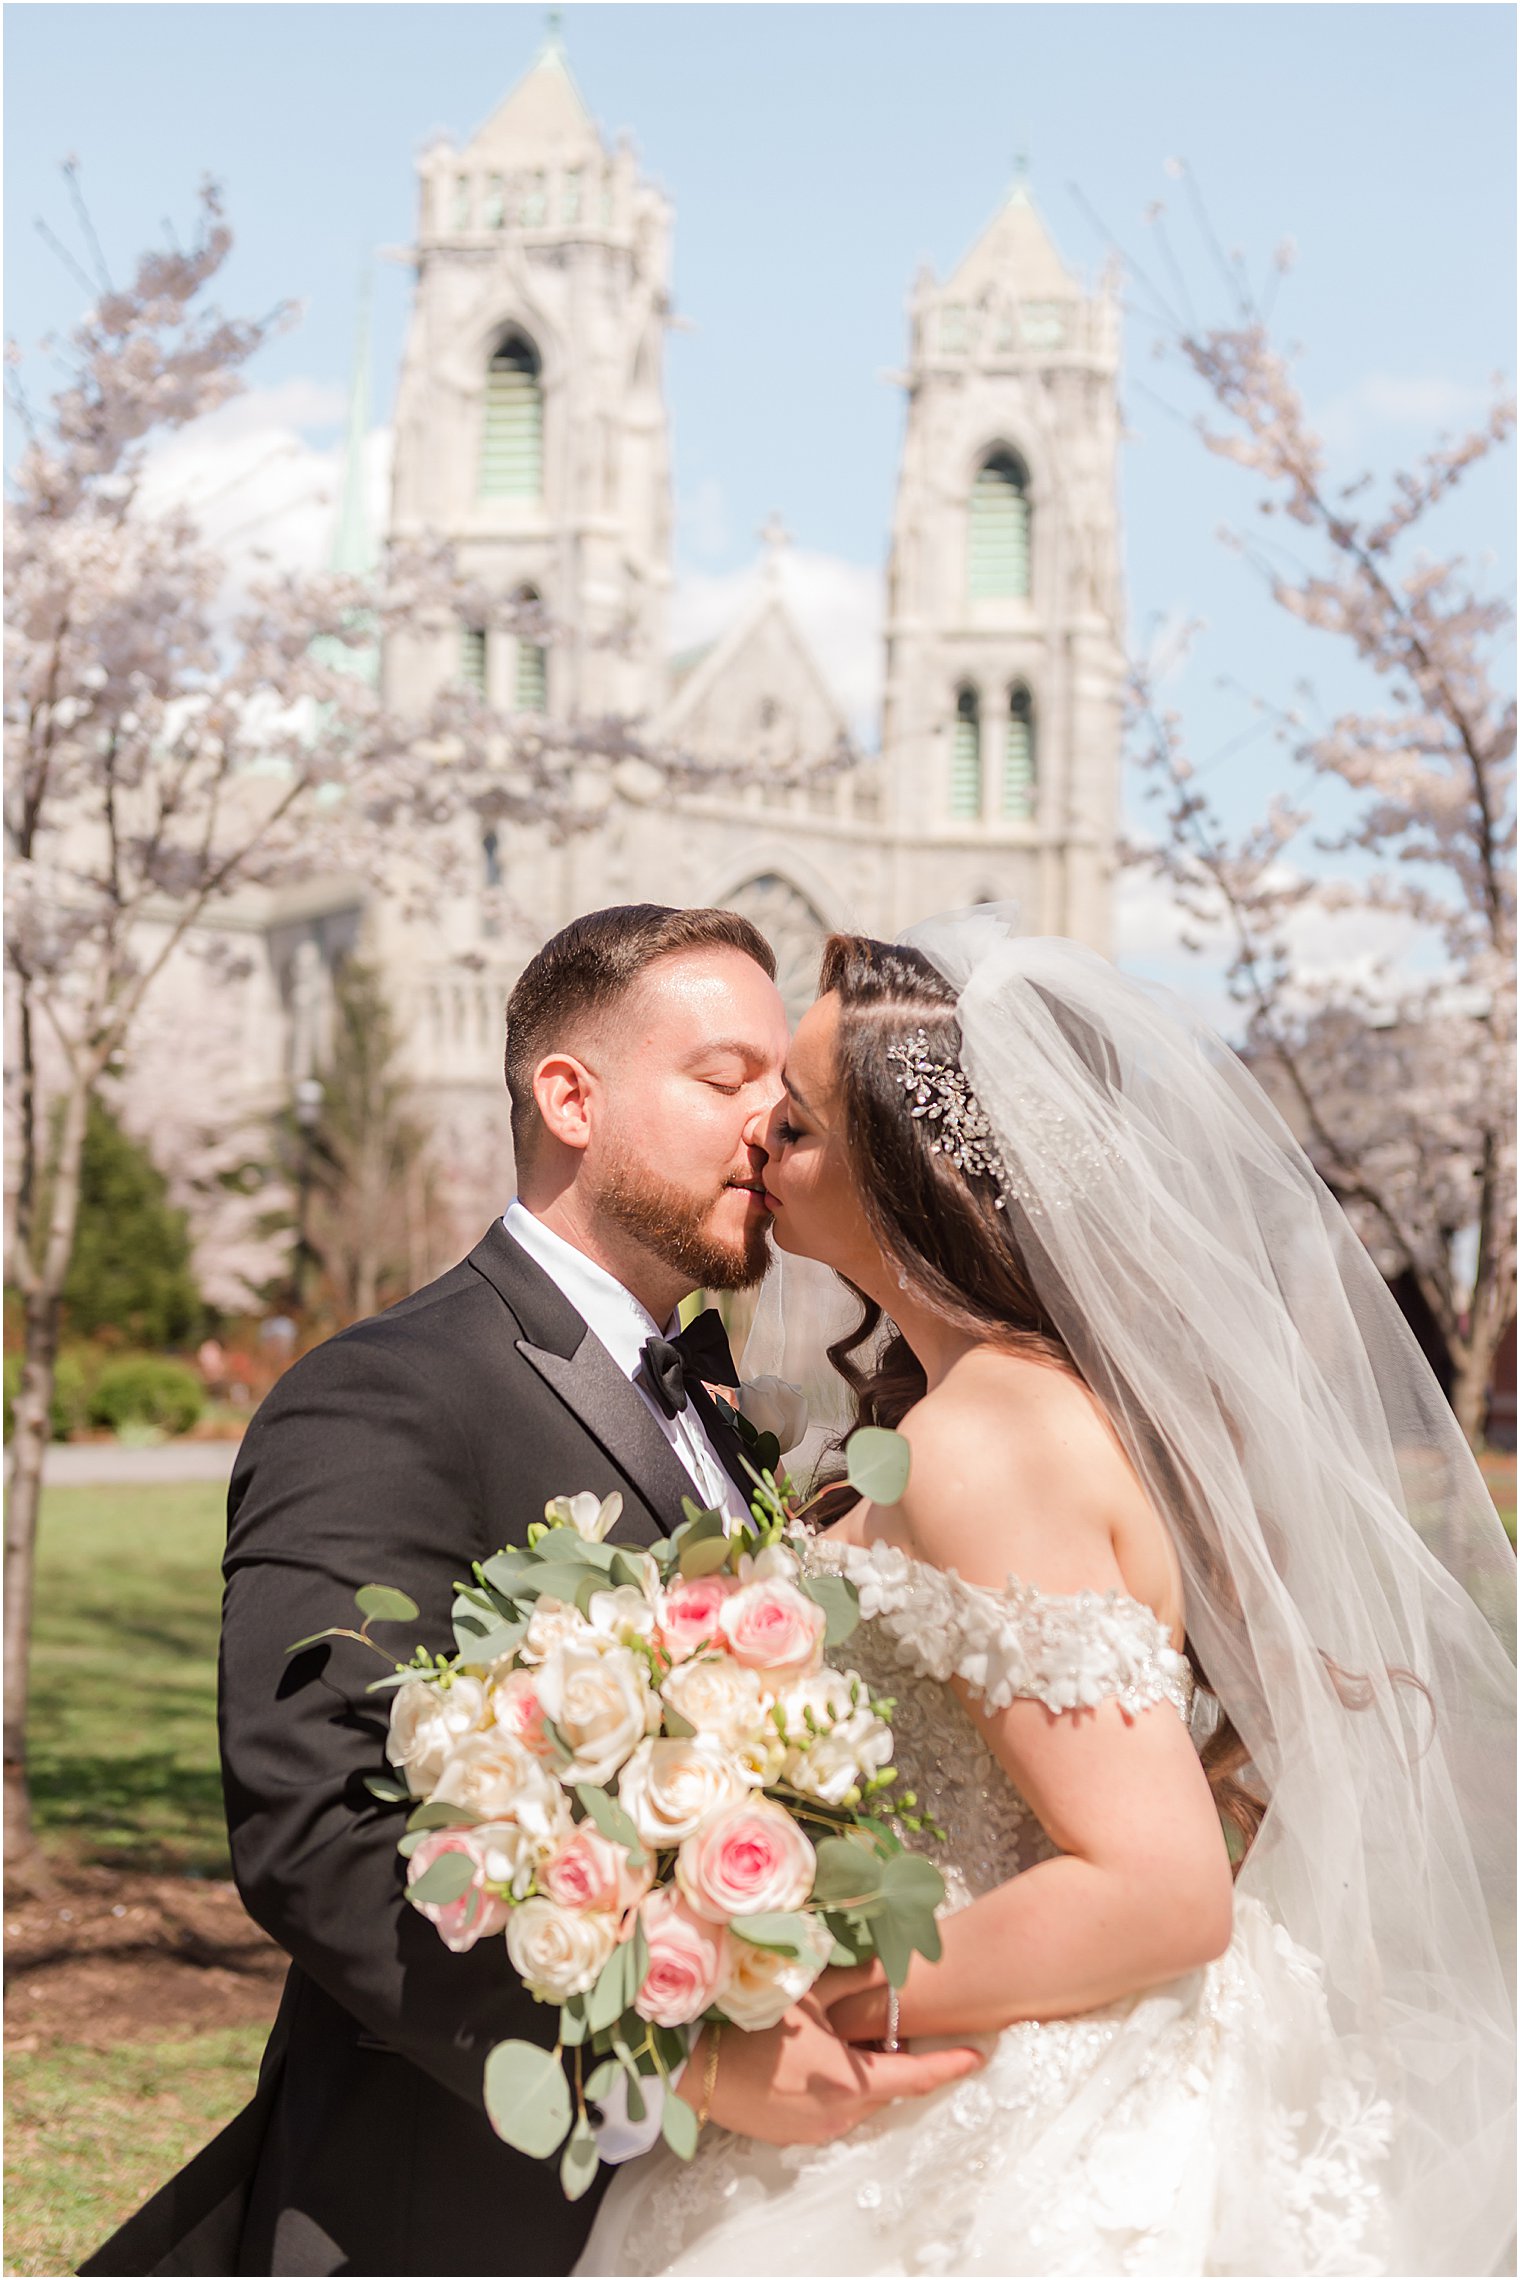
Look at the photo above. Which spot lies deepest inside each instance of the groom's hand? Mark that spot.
(798, 2084)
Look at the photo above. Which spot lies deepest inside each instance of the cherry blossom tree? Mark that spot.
(161, 763)
(1398, 1070)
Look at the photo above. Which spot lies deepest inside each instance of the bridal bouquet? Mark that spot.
(639, 1770)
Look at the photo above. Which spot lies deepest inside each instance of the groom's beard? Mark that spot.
(672, 1223)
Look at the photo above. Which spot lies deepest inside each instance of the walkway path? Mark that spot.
(95, 1464)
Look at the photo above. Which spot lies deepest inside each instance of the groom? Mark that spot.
(644, 1052)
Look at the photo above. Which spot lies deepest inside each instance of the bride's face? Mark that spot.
(815, 1211)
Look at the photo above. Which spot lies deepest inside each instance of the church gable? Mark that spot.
(758, 694)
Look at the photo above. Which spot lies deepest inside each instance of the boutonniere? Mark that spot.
(770, 1418)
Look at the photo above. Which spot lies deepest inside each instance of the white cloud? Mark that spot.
(1384, 402)
(838, 606)
(702, 520)
(263, 490)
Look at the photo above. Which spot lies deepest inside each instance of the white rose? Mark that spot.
(550, 1624)
(771, 1405)
(761, 1983)
(590, 1516)
(510, 1852)
(669, 1787)
(770, 1561)
(559, 1952)
(720, 1697)
(623, 1613)
(599, 1697)
(495, 1777)
(427, 1721)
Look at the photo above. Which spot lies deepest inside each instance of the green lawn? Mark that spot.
(90, 2133)
(123, 1724)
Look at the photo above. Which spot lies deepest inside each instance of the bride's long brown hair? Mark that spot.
(958, 1254)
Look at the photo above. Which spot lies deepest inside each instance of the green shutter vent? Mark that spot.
(472, 658)
(966, 757)
(1018, 758)
(999, 531)
(512, 448)
(532, 678)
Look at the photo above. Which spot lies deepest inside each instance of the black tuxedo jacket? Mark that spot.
(397, 1453)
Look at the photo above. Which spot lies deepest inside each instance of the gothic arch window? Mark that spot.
(530, 691)
(512, 440)
(794, 930)
(490, 854)
(472, 658)
(998, 568)
(1019, 760)
(966, 755)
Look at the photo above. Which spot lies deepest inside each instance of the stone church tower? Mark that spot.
(531, 433)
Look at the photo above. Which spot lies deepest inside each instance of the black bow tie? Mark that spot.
(698, 1355)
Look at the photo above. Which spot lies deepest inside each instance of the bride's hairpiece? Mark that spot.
(939, 1091)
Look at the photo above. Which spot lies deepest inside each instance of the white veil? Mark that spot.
(1350, 1590)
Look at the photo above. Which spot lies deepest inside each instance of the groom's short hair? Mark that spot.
(589, 965)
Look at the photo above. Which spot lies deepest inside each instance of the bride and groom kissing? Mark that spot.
(1151, 1581)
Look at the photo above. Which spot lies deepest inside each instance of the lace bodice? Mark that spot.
(922, 1626)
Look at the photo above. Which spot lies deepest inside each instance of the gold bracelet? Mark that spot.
(709, 2072)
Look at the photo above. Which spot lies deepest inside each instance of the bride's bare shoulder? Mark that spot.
(1015, 1469)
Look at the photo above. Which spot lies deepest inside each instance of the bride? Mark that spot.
(1189, 1611)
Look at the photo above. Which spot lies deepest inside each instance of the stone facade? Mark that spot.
(531, 431)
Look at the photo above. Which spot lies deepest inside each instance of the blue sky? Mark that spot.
(816, 154)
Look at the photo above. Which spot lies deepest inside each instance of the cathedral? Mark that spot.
(531, 432)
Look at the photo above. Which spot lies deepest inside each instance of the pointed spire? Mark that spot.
(353, 547)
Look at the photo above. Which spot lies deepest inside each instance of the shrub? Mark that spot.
(71, 1394)
(147, 1389)
(131, 1273)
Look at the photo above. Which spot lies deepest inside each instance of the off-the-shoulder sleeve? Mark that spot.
(1069, 1650)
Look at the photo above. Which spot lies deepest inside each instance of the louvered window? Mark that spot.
(570, 197)
(999, 530)
(493, 211)
(511, 459)
(532, 678)
(1018, 756)
(966, 756)
(535, 205)
(472, 658)
(461, 201)
(490, 849)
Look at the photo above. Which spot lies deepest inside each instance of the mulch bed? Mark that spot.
(103, 1956)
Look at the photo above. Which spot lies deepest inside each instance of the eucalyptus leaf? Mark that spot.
(894, 1947)
(840, 1602)
(572, 2028)
(387, 1788)
(675, 1725)
(527, 2098)
(579, 2162)
(433, 1813)
(678, 2126)
(624, 1569)
(705, 1556)
(569, 1544)
(315, 1640)
(599, 2082)
(701, 1520)
(449, 1878)
(846, 1873)
(787, 1931)
(611, 1818)
(767, 1452)
(391, 1678)
(633, 2097)
(504, 1571)
(908, 1877)
(382, 1603)
(492, 1645)
(605, 2002)
(878, 1463)
(560, 1580)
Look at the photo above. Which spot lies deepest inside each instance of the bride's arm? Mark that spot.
(1142, 1892)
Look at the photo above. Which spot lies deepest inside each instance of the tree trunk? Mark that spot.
(49, 1252)
(1473, 1360)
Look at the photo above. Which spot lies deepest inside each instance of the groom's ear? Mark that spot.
(562, 1090)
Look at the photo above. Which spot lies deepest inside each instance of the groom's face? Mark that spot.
(690, 1074)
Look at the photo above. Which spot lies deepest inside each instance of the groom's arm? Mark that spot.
(353, 1472)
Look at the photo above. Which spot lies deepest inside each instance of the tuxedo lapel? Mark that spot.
(576, 1366)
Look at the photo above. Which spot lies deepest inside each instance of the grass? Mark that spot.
(122, 1731)
(90, 2133)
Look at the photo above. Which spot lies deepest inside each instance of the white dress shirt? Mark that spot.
(623, 1324)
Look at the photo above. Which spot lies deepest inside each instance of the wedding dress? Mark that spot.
(1213, 2125)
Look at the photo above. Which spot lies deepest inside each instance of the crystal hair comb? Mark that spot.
(939, 1091)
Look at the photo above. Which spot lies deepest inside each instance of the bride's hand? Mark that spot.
(854, 2000)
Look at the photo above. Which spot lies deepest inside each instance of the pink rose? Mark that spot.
(518, 1712)
(747, 1860)
(687, 1958)
(592, 1871)
(775, 1628)
(687, 1614)
(476, 1914)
